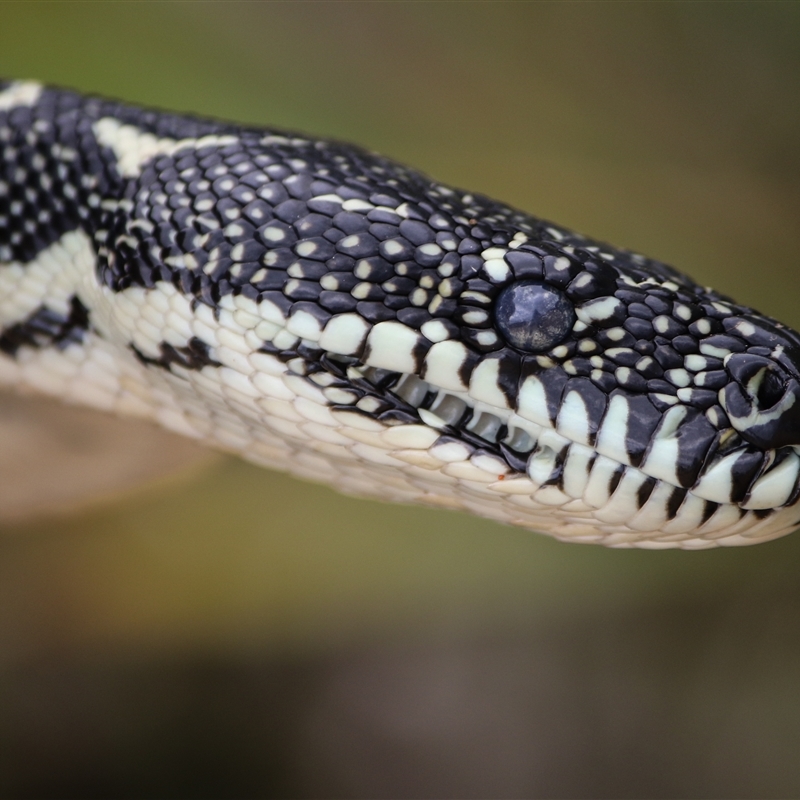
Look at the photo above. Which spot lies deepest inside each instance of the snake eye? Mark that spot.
(532, 316)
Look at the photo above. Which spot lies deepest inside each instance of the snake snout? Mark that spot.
(762, 400)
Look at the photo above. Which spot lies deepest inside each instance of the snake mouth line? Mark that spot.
(575, 473)
(541, 454)
(456, 414)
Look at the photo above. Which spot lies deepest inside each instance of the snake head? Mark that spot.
(762, 399)
(341, 316)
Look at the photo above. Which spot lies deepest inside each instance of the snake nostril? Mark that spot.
(770, 390)
(762, 401)
(761, 381)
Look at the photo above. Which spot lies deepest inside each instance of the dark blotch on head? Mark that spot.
(532, 316)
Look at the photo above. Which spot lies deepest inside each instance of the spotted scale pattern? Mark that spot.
(326, 311)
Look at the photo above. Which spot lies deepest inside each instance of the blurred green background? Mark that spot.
(244, 634)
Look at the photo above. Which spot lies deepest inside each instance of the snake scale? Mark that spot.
(326, 311)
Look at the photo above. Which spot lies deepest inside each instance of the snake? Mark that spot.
(319, 309)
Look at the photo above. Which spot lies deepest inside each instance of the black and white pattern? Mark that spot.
(325, 311)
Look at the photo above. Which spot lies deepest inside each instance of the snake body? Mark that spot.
(326, 311)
